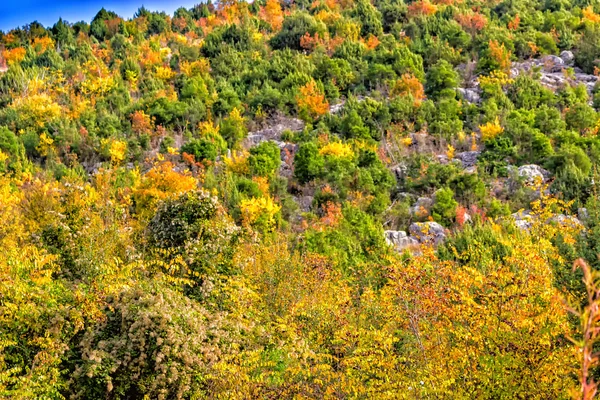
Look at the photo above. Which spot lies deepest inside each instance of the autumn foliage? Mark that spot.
(311, 101)
(328, 199)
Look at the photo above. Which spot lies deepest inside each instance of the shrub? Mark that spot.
(264, 159)
(201, 149)
(308, 163)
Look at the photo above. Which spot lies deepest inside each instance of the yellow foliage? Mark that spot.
(260, 210)
(312, 101)
(195, 68)
(337, 149)
(14, 56)
(490, 130)
(263, 184)
(37, 109)
(42, 44)
(496, 77)
(237, 163)
(160, 183)
(117, 151)
(164, 73)
(450, 152)
(45, 144)
(96, 86)
(590, 15)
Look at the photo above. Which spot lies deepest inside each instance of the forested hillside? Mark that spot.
(341, 199)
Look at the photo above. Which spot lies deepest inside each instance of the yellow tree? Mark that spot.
(311, 101)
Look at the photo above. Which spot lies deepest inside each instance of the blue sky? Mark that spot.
(16, 13)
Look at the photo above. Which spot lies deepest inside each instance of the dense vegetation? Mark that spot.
(214, 204)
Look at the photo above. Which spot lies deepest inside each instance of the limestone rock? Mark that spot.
(523, 220)
(567, 57)
(400, 240)
(533, 172)
(428, 232)
(468, 158)
(471, 95)
(552, 64)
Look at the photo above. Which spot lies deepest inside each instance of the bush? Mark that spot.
(264, 159)
(201, 149)
(167, 342)
(308, 163)
(444, 208)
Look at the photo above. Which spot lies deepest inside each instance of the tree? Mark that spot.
(264, 159)
(233, 128)
(308, 163)
(311, 101)
(444, 207)
(440, 78)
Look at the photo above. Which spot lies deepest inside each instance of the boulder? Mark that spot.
(400, 240)
(428, 232)
(552, 63)
(567, 57)
(468, 158)
(399, 172)
(523, 220)
(470, 95)
(533, 173)
(304, 202)
(567, 221)
(336, 108)
(442, 159)
(274, 129)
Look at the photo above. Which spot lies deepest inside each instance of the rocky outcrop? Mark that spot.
(468, 158)
(400, 240)
(533, 173)
(428, 232)
(399, 172)
(523, 220)
(552, 75)
(274, 129)
(471, 95)
(552, 71)
(567, 57)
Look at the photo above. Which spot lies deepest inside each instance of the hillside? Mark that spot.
(341, 199)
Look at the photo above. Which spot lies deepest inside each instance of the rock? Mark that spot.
(523, 220)
(304, 202)
(567, 57)
(286, 170)
(471, 95)
(400, 240)
(533, 173)
(468, 158)
(403, 196)
(567, 221)
(428, 232)
(254, 139)
(442, 159)
(336, 108)
(422, 207)
(288, 151)
(399, 172)
(583, 214)
(552, 63)
(552, 75)
(274, 129)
